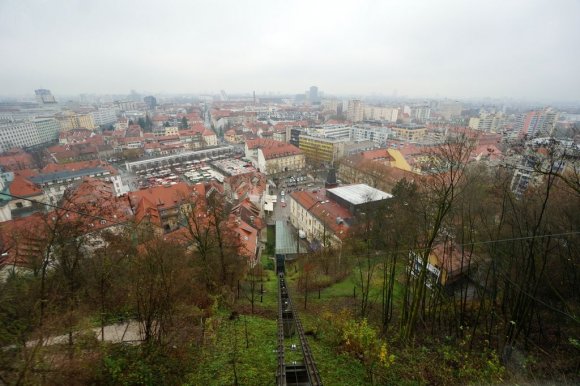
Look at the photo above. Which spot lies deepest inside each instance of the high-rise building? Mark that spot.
(313, 96)
(537, 122)
(355, 110)
(44, 96)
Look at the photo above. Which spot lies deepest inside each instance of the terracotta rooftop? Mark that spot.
(280, 151)
(165, 197)
(325, 210)
(22, 187)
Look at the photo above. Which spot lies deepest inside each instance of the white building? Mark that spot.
(18, 134)
(377, 113)
(104, 116)
(355, 110)
(378, 135)
(332, 131)
(47, 128)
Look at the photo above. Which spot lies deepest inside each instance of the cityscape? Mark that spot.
(350, 227)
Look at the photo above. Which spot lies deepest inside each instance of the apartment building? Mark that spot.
(355, 111)
(410, 133)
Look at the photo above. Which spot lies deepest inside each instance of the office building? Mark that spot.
(322, 150)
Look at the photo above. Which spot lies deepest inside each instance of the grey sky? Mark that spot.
(497, 48)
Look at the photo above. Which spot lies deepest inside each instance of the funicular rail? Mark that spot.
(287, 374)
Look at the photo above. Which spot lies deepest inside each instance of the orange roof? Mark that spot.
(207, 133)
(280, 151)
(165, 197)
(248, 240)
(96, 197)
(377, 155)
(326, 212)
(20, 186)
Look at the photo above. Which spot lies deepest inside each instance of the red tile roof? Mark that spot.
(20, 186)
(164, 197)
(326, 212)
(248, 240)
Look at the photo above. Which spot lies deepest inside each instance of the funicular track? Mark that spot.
(292, 372)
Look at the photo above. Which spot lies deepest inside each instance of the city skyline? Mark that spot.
(514, 49)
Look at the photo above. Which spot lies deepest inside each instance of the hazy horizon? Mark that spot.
(497, 49)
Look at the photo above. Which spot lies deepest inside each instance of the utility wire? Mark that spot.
(570, 233)
(62, 208)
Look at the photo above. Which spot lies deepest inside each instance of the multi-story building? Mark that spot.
(332, 131)
(450, 109)
(313, 95)
(486, 122)
(326, 215)
(420, 113)
(319, 149)
(104, 116)
(273, 157)
(69, 120)
(378, 135)
(410, 133)
(280, 159)
(333, 105)
(48, 129)
(355, 110)
(18, 134)
(537, 122)
(377, 113)
(293, 135)
(151, 102)
(56, 178)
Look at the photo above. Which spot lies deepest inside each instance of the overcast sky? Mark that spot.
(496, 48)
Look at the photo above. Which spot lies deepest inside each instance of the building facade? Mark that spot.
(355, 111)
(18, 134)
(410, 133)
(318, 149)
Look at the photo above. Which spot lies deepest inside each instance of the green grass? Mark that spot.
(255, 365)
